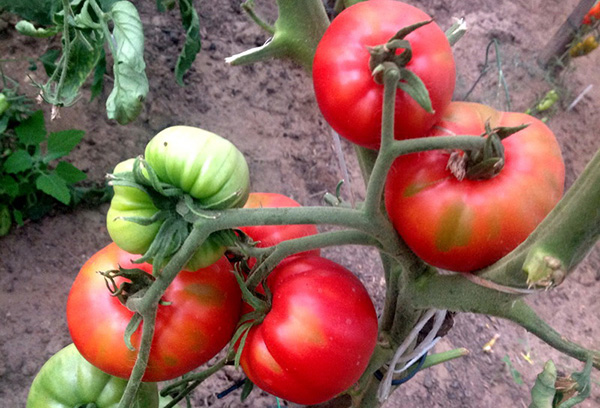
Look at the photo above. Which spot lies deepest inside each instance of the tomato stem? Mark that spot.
(297, 33)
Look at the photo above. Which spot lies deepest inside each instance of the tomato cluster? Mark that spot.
(316, 328)
(457, 224)
(319, 313)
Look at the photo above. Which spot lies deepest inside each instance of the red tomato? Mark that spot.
(469, 224)
(349, 98)
(198, 321)
(593, 15)
(269, 235)
(317, 339)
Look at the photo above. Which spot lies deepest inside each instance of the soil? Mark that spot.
(269, 112)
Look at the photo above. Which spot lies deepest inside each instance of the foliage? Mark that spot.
(86, 27)
(34, 176)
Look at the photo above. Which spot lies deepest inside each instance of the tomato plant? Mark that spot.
(269, 235)
(317, 339)
(195, 320)
(67, 380)
(465, 225)
(347, 95)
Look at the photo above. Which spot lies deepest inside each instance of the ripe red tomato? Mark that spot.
(349, 98)
(593, 15)
(317, 339)
(197, 322)
(470, 224)
(269, 235)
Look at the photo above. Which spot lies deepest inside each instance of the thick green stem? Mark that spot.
(298, 29)
(148, 306)
(456, 293)
(560, 242)
(376, 184)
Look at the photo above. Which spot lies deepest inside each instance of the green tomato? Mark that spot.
(204, 165)
(67, 380)
(137, 238)
(131, 202)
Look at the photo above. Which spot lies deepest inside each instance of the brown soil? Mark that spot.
(269, 112)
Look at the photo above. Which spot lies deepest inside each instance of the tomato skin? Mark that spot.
(592, 15)
(199, 321)
(67, 380)
(467, 225)
(201, 163)
(136, 238)
(317, 339)
(349, 98)
(269, 235)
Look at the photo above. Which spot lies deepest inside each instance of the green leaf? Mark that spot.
(3, 123)
(5, 220)
(69, 173)
(61, 143)
(27, 28)
(124, 103)
(18, 217)
(98, 81)
(193, 44)
(48, 60)
(414, 86)
(9, 186)
(38, 11)
(542, 393)
(82, 57)
(32, 131)
(54, 186)
(18, 161)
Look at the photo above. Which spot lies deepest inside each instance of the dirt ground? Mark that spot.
(269, 112)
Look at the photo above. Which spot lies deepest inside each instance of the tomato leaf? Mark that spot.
(131, 85)
(48, 60)
(193, 44)
(32, 131)
(26, 28)
(38, 11)
(17, 162)
(248, 387)
(62, 143)
(54, 186)
(69, 173)
(98, 81)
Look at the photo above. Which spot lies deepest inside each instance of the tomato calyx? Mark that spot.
(136, 283)
(386, 56)
(484, 163)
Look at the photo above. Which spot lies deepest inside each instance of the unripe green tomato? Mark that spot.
(204, 165)
(136, 238)
(67, 380)
(131, 202)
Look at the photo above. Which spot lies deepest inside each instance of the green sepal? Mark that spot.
(414, 86)
(131, 328)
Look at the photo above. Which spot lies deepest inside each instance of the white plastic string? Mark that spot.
(414, 355)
